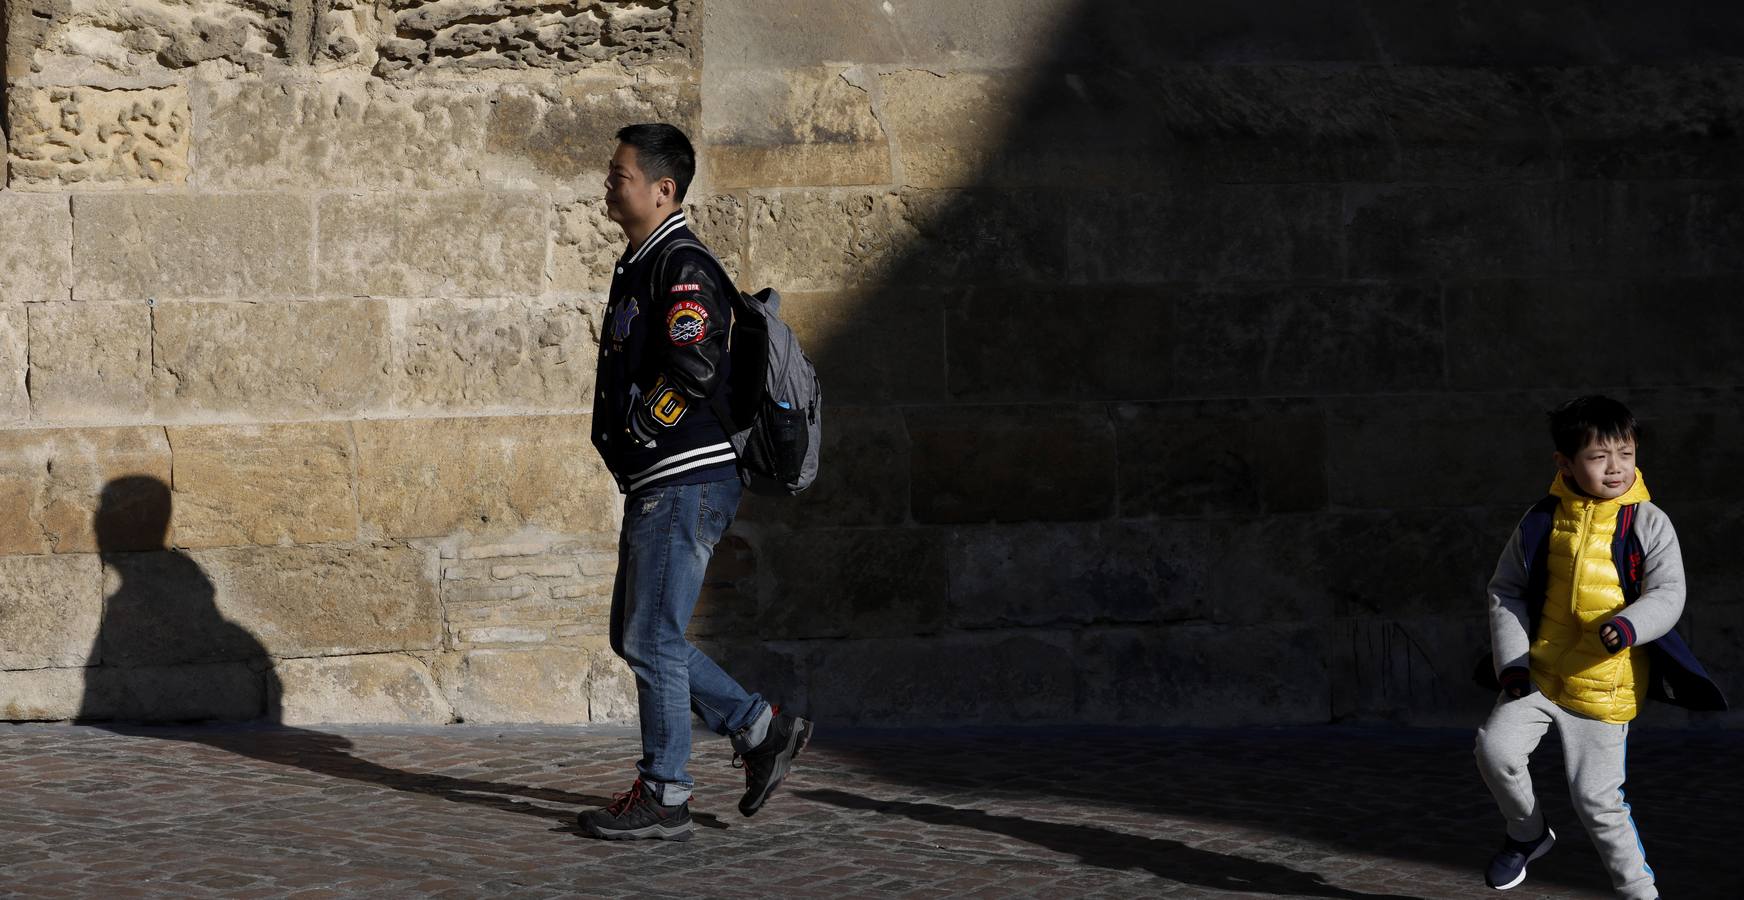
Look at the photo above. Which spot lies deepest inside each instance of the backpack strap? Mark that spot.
(1627, 553)
(1535, 531)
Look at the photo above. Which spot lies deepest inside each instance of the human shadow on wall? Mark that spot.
(164, 653)
(1109, 849)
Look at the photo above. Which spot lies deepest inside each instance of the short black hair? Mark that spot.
(662, 151)
(1589, 418)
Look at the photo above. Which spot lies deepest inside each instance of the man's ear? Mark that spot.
(667, 190)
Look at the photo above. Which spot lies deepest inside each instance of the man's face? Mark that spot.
(630, 196)
(1604, 468)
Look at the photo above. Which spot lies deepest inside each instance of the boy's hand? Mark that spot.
(1516, 682)
(1617, 634)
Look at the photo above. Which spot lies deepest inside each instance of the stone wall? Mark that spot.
(1185, 363)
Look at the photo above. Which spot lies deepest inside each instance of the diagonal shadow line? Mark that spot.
(1108, 849)
(328, 755)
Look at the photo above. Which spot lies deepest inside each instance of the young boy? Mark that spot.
(1582, 607)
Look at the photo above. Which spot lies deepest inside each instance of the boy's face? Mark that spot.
(630, 196)
(1604, 468)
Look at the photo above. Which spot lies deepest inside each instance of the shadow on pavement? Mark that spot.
(1109, 849)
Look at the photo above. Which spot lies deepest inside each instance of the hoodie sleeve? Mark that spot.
(1509, 641)
(1660, 605)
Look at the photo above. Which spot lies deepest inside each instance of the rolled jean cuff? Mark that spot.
(668, 793)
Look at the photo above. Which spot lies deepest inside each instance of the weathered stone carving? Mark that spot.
(477, 35)
(96, 138)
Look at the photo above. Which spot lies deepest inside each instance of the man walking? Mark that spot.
(663, 358)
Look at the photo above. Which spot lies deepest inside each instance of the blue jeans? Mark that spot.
(669, 534)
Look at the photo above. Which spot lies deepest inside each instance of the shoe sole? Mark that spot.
(795, 744)
(650, 832)
(1542, 849)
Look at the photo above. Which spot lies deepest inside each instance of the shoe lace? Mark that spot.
(625, 800)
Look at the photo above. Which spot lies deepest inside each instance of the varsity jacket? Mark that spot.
(1575, 564)
(663, 355)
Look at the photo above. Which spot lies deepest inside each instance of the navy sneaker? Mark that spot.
(1508, 866)
(767, 763)
(636, 814)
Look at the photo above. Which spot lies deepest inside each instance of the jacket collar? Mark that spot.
(1637, 492)
(666, 230)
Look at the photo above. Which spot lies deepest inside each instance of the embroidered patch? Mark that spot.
(621, 319)
(686, 288)
(687, 323)
(666, 404)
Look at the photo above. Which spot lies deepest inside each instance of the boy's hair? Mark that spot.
(663, 152)
(1589, 418)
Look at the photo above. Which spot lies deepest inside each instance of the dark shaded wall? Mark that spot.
(1196, 373)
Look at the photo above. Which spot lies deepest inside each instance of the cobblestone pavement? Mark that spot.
(471, 811)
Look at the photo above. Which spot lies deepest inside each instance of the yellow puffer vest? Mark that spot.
(1569, 664)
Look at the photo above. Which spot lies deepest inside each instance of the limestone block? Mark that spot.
(986, 331)
(1661, 228)
(1052, 574)
(855, 582)
(1423, 31)
(14, 364)
(815, 241)
(1304, 339)
(1218, 458)
(310, 357)
(502, 686)
(793, 127)
(611, 687)
(923, 33)
(864, 480)
(564, 137)
(433, 477)
(71, 40)
(586, 245)
(36, 242)
(90, 362)
(453, 356)
(1415, 670)
(1003, 677)
(263, 484)
(1499, 230)
(1179, 675)
(727, 603)
(41, 695)
(50, 607)
(150, 245)
(1235, 123)
(873, 346)
(1465, 124)
(1011, 464)
(52, 484)
(230, 691)
(459, 244)
(338, 134)
(385, 689)
(1676, 121)
(330, 599)
(1247, 232)
(1505, 333)
(1384, 446)
(87, 138)
(1283, 569)
(957, 129)
(474, 37)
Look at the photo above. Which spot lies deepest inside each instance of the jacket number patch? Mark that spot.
(668, 405)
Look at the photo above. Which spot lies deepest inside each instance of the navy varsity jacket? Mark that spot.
(663, 356)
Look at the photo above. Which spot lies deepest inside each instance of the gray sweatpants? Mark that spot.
(1593, 754)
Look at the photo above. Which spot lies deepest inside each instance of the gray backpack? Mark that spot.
(773, 403)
